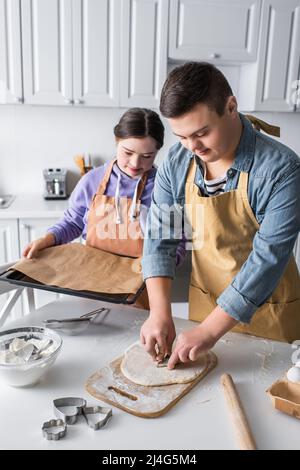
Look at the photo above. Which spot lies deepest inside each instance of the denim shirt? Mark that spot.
(274, 195)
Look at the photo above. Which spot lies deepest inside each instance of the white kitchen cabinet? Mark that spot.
(217, 31)
(75, 51)
(96, 46)
(268, 84)
(47, 51)
(31, 229)
(143, 51)
(9, 252)
(280, 44)
(10, 52)
(71, 52)
(9, 241)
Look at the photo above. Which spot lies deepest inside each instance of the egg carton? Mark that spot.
(285, 396)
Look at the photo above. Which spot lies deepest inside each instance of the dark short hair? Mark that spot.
(193, 83)
(140, 122)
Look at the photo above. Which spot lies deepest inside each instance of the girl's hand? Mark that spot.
(33, 248)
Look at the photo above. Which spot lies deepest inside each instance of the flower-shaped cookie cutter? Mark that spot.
(54, 429)
(97, 416)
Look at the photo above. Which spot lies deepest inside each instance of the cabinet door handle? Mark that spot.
(19, 99)
(25, 226)
(69, 101)
(79, 102)
(215, 55)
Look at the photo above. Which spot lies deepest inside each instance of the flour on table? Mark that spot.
(138, 366)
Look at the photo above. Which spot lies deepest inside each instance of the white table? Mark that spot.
(199, 421)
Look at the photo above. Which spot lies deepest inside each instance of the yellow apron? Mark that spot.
(228, 228)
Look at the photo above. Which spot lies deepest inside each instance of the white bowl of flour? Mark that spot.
(26, 354)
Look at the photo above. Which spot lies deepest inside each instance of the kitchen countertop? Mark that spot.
(199, 421)
(33, 206)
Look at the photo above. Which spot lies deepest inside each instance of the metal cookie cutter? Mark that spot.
(164, 362)
(69, 408)
(54, 429)
(97, 416)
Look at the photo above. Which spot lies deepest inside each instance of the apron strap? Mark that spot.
(102, 186)
(105, 180)
(142, 185)
(259, 124)
(137, 196)
(191, 174)
(243, 183)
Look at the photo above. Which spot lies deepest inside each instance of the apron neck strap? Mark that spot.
(243, 182)
(142, 185)
(191, 174)
(105, 179)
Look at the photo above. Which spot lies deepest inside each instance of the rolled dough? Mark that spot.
(138, 366)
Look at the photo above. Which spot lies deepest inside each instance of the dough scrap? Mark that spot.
(138, 366)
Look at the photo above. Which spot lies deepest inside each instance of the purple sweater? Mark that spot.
(74, 221)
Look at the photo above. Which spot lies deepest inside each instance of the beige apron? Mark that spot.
(228, 231)
(123, 237)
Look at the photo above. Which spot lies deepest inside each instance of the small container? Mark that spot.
(29, 373)
(285, 397)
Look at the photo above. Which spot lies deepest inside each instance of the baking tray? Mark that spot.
(13, 276)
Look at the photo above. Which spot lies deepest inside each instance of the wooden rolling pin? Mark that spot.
(243, 431)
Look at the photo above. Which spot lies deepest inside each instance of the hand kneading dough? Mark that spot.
(138, 366)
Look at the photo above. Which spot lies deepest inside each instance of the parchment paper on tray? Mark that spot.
(79, 267)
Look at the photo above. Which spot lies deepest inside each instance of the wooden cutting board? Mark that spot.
(111, 386)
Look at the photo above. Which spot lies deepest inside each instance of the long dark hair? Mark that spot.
(140, 122)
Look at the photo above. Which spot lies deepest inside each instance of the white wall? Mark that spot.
(33, 138)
